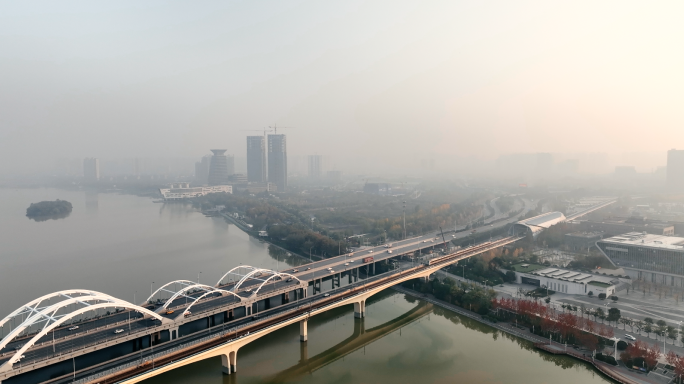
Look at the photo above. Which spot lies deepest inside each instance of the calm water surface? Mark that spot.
(120, 244)
(402, 340)
(116, 244)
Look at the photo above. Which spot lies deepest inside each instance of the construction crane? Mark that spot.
(258, 130)
(274, 128)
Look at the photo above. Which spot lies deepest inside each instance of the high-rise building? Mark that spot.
(91, 168)
(220, 167)
(675, 169)
(202, 170)
(315, 166)
(256, 159)
(277, 161)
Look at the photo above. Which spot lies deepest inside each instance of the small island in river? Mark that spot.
(47, 210)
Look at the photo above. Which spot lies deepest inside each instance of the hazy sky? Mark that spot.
(384, 80)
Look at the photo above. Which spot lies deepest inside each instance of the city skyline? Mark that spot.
(407, 80)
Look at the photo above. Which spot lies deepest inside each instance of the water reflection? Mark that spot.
(49, 217)
(401, 340)
(359, 339)
(92, 202)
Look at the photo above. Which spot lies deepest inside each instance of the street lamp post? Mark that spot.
(151, 290)
(404, 220)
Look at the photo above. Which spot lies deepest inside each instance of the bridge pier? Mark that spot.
(303, 330)
(233, 361)
(173, 334)
(225, 364)
(360, 309)
(303, 352)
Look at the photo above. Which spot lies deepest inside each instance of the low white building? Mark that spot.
(180, 191)
(565, 281)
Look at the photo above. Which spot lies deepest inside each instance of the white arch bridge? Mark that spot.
(251, 301)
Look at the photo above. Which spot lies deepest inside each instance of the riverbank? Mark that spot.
(616, 373)
(240, 224)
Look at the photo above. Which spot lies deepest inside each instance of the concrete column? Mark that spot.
(374, 268)
(360, 309)
(173, 333)
(303, 332)
(303, 351)
(225, 364)
(233, 361)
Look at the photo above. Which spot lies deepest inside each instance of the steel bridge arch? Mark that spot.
(228, 273)
(249, 276)
(71, 315)
(186, 282)
(35, 303)
(209, 293)
(49, 314)
(205, 287)
(274, 276)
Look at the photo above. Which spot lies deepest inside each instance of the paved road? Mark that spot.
(102, 329)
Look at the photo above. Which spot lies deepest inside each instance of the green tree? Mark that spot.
(662, 327)
(649, 325)
(613, 315)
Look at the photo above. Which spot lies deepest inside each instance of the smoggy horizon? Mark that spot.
(378, 86)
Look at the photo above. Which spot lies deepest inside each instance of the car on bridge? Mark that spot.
(170, 311)
(120, 330)
(75, 327)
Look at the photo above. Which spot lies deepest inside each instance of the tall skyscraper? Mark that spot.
(277, 161)
(256, 159)
(315, 166)
(675, 169)
(202, 170)
(220, 167)
(91, 168)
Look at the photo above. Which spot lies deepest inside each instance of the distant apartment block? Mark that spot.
(315, 166)
(237, 178)
(202, 170)
(220, 167)
(277, 161)
(256, 159)
(91, 168)
(382, 189)
(620, 225)
(675, 169)
(180, 191)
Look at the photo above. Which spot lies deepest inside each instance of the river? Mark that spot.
(121, 244)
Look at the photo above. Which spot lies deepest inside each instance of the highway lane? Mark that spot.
(312, 301)
(85, 334)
